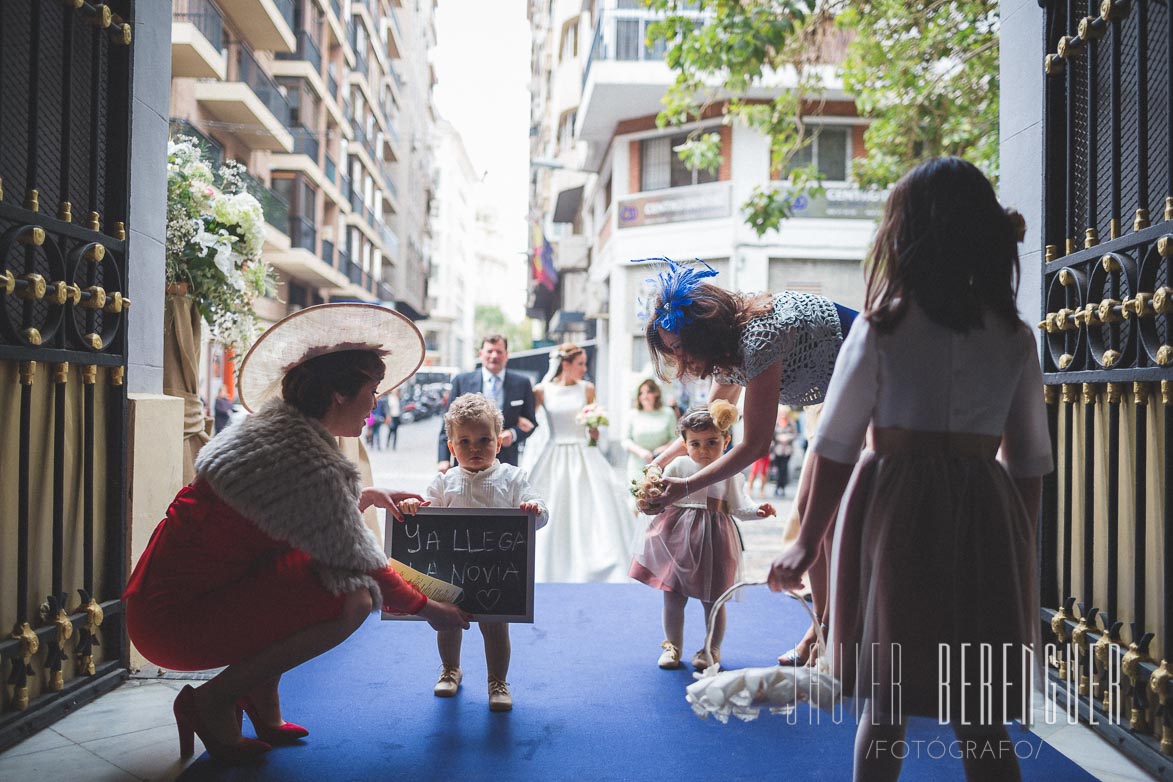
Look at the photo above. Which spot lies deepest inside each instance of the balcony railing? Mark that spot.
(204, 16)
(248, 70)
(328, 253)
(344, 186)
(307, 49)
(285, 8)
(395, 23)
(305, 142)
(332, 83)
(389, 181)
(276, 208)
(384, 292)
(389, 239)
(303, 233)
(336, 7)
(622, 34)
(352, 270)
(331, 170)
(213, 152)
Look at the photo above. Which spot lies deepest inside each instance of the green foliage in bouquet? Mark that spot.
(214, 239)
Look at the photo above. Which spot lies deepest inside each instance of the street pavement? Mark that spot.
(412, 465)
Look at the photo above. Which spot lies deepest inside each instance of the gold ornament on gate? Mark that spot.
(1130, 665)
(1160, 686)
(22, 665)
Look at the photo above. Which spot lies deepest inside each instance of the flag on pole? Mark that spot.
(542, 258)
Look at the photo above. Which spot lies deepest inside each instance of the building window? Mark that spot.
(569, 47)
(566, 131)
(829, 150)
(661, 167)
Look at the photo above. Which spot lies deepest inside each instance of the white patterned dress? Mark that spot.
(804, 332)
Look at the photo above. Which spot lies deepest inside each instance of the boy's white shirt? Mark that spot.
(731, 490)
(497, 486)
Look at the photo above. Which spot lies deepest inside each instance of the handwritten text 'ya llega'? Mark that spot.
(462, 540)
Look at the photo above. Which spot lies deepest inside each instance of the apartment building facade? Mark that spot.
(328, 104)
(609, 188)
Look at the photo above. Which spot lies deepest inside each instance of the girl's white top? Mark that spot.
(803, 332)
(497, 486)
(731, 490)
(926, 377)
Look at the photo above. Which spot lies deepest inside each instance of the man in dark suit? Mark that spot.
(511, 391)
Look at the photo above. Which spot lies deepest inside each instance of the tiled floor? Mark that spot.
(129, 734)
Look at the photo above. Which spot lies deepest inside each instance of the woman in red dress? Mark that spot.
(264, 561)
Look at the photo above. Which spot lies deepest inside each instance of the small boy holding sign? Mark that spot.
(473, 425)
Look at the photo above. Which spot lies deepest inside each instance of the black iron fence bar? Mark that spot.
(95, 113)
(1090, 399)
(1167, 576)
(1114, 400)
(33, 94)
(1071, 236)
(60, 378)
(64, 209)
(1093, 128)
(89, 377)
(1114, 127)
(27, 377)
(1070, 392)
(1142, 119)
(1049, 529)
(1141, 498)
(1169, 106)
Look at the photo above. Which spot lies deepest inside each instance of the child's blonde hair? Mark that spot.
(719, 415)
(473, 408)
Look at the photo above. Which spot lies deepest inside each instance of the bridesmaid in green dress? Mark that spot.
(650, 430)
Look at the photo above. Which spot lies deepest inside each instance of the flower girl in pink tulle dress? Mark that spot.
(692, 548)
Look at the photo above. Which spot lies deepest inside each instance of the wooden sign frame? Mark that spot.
(432, 519)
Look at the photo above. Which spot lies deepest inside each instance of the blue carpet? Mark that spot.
(589, 704)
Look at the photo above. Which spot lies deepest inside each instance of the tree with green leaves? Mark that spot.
(924, 72)
(488, 319)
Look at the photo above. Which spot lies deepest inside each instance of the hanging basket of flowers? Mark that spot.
(215, 233)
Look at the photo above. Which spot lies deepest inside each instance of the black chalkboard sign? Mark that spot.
(487, 552)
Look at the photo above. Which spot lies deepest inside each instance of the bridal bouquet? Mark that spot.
(214, 240)
(592, 417)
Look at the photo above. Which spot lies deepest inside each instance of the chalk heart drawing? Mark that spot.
(487, 598)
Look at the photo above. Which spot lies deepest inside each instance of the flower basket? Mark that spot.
(744, 692)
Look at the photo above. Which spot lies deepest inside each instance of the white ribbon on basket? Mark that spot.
(744, 692)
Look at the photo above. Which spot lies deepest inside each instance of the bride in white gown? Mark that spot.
(590, 531)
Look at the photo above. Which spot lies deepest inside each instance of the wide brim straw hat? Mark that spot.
(329, 328)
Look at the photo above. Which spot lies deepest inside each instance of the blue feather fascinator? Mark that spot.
(672, 291)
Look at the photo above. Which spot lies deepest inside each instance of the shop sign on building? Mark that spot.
(849, 203)
(705, 202)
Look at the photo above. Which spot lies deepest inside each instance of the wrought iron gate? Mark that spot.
(65, 102)
(1107, 542)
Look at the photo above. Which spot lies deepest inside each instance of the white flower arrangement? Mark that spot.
(214, 240)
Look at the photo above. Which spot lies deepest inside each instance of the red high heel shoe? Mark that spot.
(188, 722)
(285, 733)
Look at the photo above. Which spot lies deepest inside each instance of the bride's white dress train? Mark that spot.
(591, 529)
